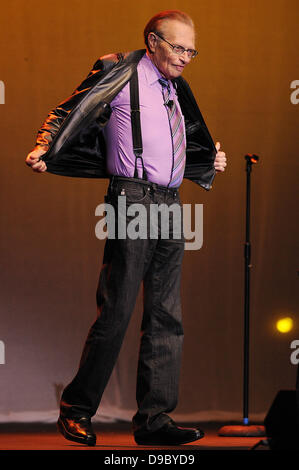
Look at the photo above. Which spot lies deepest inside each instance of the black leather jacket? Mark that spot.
(72, 133)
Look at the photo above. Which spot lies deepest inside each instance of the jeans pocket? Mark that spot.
(134, 192)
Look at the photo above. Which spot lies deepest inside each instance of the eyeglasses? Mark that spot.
(179, 49)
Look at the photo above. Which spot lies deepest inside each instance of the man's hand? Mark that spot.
(220, 159)
(33, 160)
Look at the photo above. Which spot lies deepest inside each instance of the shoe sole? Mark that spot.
(72, 437)
(159, 443)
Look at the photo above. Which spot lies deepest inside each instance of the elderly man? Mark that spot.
(134, 120)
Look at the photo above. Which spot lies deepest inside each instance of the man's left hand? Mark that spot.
(220, 159)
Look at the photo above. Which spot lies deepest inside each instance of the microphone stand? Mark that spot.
(245, 429)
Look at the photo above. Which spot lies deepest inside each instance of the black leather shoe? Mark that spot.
(169, 434)
(77, 430)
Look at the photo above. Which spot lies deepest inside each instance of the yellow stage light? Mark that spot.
(284, 325)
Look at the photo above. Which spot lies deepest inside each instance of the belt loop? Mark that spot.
(112, 180)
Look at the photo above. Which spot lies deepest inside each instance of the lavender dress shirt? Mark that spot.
(156, 134)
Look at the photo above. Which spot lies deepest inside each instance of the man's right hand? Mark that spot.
(33, 160)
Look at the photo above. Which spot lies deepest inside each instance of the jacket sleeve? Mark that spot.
(57, 116)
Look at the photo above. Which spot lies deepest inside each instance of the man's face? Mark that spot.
(170, 64)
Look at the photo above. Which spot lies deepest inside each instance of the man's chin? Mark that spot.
(174, 74)
(177, 71)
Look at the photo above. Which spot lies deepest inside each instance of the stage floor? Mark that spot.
(115, 437)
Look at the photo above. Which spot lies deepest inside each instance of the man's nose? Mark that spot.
(185, 57)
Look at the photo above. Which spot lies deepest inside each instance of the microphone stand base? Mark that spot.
(242, 431)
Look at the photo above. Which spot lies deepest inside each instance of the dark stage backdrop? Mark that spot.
(50, 256)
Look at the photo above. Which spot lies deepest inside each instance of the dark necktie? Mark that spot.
(177, 135)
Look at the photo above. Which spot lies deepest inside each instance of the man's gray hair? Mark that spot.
(155, 21)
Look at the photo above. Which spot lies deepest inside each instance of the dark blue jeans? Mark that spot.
(156, 261)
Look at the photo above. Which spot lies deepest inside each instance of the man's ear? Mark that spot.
(152, 42)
